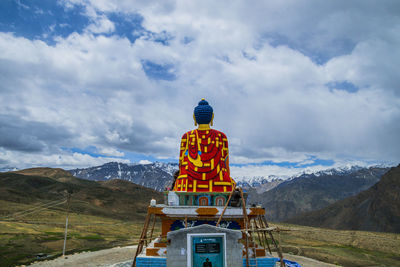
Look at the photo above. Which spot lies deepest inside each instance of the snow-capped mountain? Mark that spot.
(8, 169)
(159, 175)
(155, 175)
(268, 182)
(260, 183)
(311, 191)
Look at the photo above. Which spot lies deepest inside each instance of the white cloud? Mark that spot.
(60, 159)
(252, 62)
(110, 151)
(101, 25)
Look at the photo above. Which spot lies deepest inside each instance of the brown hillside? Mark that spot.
(113, 199)
(376, 209)
(45, 172)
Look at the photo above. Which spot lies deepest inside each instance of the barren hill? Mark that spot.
(114, 198)
(375, 209)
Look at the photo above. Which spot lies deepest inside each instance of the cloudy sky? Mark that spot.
(294, 84)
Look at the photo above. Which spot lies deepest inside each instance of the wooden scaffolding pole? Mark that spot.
(143, 237)
(226, 205)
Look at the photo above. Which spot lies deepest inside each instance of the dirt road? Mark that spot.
(122, 257)
(106, 257)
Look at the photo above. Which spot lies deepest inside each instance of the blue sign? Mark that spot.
(207, 251)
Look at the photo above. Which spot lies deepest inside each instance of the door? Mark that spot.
(208, 251)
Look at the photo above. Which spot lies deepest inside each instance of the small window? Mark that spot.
(220, 201)
(190, 201)
(203, 201)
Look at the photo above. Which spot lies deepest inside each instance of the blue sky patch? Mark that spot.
(41, 20)
(91, 151)
(319, 55)
(288, 164)
(345, 85)
(159, 72)
(129, 26)
(162, 37)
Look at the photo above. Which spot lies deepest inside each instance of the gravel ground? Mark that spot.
(106, 257)
(306, 262)
(122, 257)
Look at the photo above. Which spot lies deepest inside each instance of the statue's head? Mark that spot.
(203, 113)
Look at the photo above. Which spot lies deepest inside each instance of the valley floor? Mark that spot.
(22, 239)
(342, 247)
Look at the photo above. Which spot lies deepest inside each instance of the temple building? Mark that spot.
(205, 221)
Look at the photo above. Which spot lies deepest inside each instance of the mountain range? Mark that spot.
(283, 199)
(375, 209)
(353, 198)
(156, 175)
(309, 192)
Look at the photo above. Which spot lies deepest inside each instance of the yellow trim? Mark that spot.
(206, 164)
(198, 141)
(194, 185)
(203, 176)
(221, 177)
(210, 185)
(204, 127)
(182, 176)
(218, 168)
(197, 161)
(207, 132)
(190, 186)
(222, 183)
(224, 188)
(186, 185)
(202, 186)
(212, 164)
(209, 140)
(195, 169)
(205, 149)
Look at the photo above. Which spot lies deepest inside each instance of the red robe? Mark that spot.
(204, 163)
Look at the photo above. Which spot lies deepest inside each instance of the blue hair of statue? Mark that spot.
(203, 112)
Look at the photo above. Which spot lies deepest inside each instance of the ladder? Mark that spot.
(143, 236)
(248, 235)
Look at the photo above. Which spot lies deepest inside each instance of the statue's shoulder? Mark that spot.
(185, 135)
(219, 133)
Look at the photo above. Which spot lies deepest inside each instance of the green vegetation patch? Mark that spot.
(346, 248)
(91, 237)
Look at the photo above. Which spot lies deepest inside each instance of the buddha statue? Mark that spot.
(204, 156)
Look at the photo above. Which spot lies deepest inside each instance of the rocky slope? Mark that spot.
(309, 192)
(375, 209)
(157, 175)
